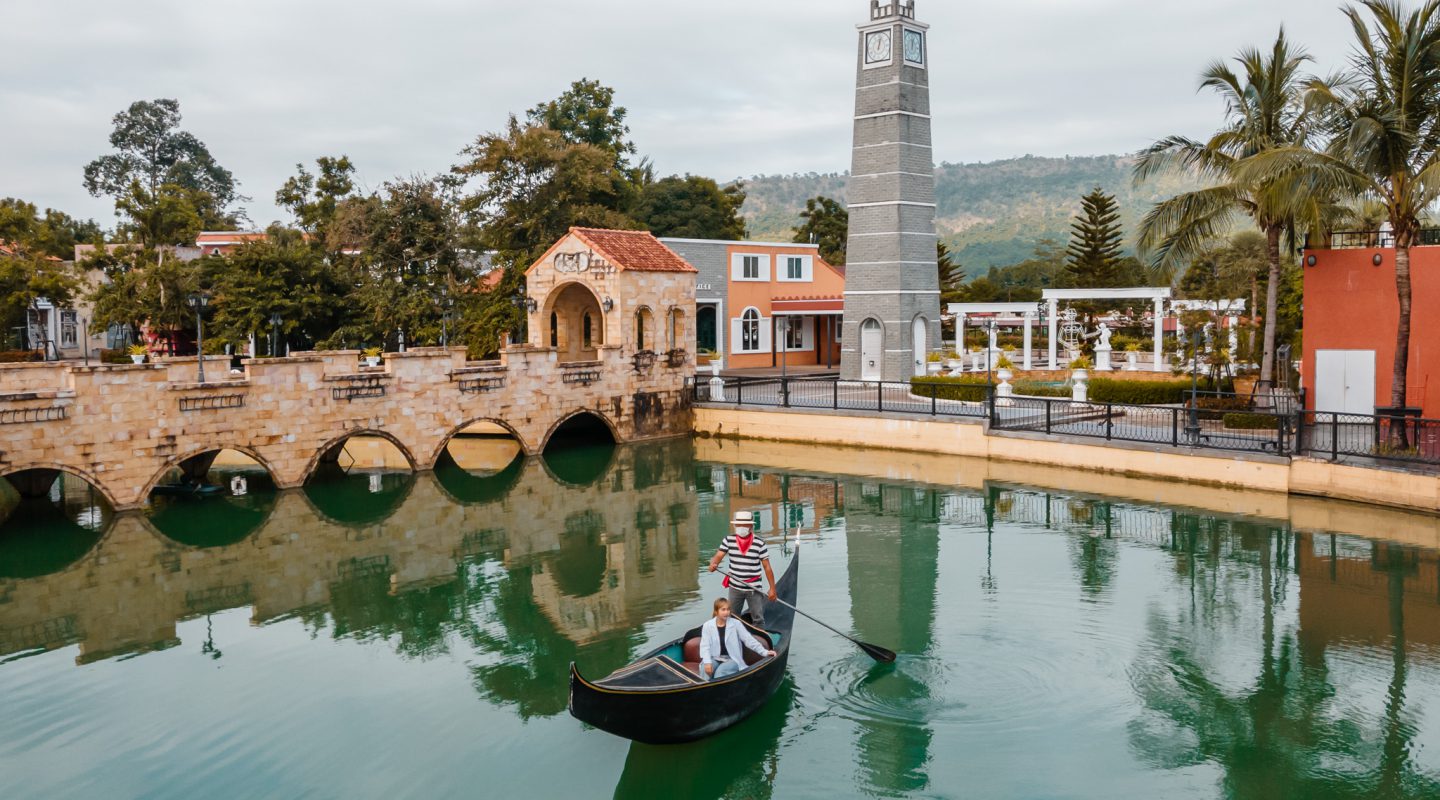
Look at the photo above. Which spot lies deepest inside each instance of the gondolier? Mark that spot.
(748, 557)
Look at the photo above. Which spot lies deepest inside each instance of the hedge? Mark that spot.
(115, 356)
(20, 356)
(1250, 422)
(969, 389)
(1140, 393)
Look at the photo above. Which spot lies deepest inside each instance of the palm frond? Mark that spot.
(1177, 230)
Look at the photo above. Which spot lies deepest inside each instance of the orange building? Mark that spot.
(761, 304)
(1351, 313)
(221, 243)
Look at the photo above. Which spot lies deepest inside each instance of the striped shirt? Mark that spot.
(745, 566)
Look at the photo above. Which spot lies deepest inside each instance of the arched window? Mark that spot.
(554, 329)
(642, 318)
(750, 331)
(677, 328)
(589, 332)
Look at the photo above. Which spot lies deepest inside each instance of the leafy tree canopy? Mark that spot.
(151, 148)
(1096, 243)
(586, 114)
(54, 233)
(693, 208)
(827, 223)
(313, 198)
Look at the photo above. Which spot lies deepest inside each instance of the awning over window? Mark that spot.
(808, 306)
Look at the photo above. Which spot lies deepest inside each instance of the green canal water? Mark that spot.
(379, 634)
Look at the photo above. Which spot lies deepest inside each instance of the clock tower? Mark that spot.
(892, 285)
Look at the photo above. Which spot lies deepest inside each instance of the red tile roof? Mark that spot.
(633, 250)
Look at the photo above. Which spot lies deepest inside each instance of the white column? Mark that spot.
(1054, 332)
(960, 336)
(1159, 364)
(1029, 322)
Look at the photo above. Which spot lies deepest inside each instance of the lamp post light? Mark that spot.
(1192, 424)
(990, 337)
(275, 321)
(198, 301)
(445, 306)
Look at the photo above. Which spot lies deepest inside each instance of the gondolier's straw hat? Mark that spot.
(744, 518)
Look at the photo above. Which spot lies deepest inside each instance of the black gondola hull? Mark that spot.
(689, 711)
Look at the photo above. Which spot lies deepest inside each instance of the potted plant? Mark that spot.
(137, 353)
(933, 363)
(952, 360)
(1004, 368)
(1132, 353)
(1078, 368)
(372, 356)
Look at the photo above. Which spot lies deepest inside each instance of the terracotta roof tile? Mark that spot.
(634, 250)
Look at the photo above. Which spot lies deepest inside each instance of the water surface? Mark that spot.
(381, 633)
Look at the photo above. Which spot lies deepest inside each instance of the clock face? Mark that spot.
(877, 47)
(915, 47)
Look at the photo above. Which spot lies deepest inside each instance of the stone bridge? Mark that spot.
(610, 337)
(606, 557)
(122, 428)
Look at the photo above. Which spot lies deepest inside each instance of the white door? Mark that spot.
(872, 345)
(1345, 381)
(917, 343)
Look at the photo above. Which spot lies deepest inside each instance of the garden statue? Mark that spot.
(1102, 350)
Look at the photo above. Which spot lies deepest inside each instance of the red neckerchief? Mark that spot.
(743, 542)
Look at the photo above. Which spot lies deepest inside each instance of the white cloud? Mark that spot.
(719, 89)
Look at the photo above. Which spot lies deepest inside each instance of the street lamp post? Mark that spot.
(198, 301)
(275, 321)
(990, 337)
(1192, 425)
(445, 306)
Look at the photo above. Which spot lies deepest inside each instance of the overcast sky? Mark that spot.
(724, 89)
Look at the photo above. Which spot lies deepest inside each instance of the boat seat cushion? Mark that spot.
(692, 650)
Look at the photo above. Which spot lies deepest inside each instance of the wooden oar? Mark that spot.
(874, 651)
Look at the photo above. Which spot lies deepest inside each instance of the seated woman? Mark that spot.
(720, 640)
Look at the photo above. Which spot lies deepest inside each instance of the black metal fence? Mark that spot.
(840, 395)
(1175, 426)
(1281, 430)
(1365, 437)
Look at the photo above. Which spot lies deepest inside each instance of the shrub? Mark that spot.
(1083, 362)
(1250, 422)
(972, 389)
(115, 356)
(20, 356)
(1037, 389)
(1140, 393)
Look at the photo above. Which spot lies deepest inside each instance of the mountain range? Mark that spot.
(991, 213)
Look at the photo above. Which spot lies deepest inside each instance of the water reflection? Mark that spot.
(523, 573)
(47, 534)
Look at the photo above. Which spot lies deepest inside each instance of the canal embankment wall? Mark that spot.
(1253, 472)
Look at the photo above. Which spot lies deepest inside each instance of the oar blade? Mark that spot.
(876, 652)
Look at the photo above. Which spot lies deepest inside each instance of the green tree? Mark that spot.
(1093, 257)
(952, 275)
(144, 286)
(586, 114)
(312, 198)
(1264, 114)
(1384, 121)
(826, 223)
(25, 278)
(692, 208)
(534, 185)
(409, 261)
(151, 149)
(281, 274)
(54, 234)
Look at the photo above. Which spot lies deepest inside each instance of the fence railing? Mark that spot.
(1385, 437)
(1281, 430)
(1379, 240)
(1174, 426)
(840, 395)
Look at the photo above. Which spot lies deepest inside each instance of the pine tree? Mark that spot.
(1093, 258)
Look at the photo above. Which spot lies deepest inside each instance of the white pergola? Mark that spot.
(1156, 295)
(1026, 311)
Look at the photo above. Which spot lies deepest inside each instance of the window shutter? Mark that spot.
(765, 342)
(737, 267)
(736, 342)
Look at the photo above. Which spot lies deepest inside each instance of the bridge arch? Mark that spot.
(198, 453)
(584, 459)
(444, 445)
(578, 321)
(577, 416)
(39, 537)
(335, 445)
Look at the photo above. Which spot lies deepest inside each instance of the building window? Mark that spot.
(795, 268)
(641, 318)
(69, 329)
(750, 331)
(794, 334)
(676, 328)
(554, 329)
(589, 332)
(750, 268)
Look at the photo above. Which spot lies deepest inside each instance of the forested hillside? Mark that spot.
(989, 214)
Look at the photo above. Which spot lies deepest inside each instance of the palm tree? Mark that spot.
(1264, 111)
(1385, 147)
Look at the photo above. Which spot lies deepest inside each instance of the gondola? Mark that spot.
(660, 698)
